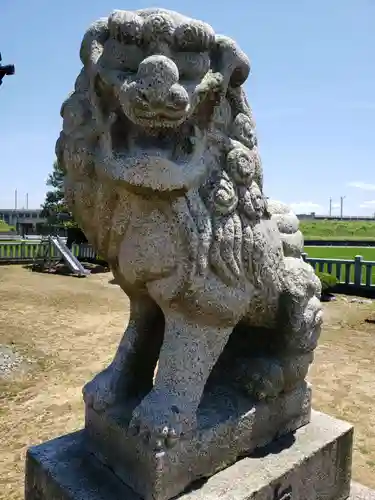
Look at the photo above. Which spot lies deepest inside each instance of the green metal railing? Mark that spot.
(357, 272)
(26, 251)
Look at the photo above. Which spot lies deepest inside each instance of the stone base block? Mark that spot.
(314, 463)
(360, 492)
(229, 426)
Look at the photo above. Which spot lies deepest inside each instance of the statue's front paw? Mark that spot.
(102, 391)
(161, 421)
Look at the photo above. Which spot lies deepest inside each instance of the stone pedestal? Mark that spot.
(229, 426)
(314, 463)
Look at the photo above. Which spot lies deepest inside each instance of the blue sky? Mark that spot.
(312, 89)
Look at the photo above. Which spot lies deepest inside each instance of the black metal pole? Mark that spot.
(6, 70)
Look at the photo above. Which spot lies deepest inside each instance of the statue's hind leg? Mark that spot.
(300, 337)
(266, 362)
(132, 369)
(188, 354)
(295, 337)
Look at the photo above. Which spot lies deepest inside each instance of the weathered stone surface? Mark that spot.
(228, 426)
(164, 176)
(314, 464)
(360, 492)
(288, 226)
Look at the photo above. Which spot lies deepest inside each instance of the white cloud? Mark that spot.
(305, 206)
(368, 204)
(362, 185)
(335, 205)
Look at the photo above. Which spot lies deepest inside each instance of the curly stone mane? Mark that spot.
(218, 212)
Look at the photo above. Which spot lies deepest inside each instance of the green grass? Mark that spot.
(340, 230)
(331, 230)
(4, 227)
(346, 253)
(341, 252)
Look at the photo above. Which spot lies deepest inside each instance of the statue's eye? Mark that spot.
(121, 56)
(191, 64)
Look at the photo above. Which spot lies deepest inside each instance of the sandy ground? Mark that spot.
(68, 329)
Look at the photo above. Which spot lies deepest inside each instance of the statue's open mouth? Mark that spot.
(169, 116)
(173, 141)
(159, 153)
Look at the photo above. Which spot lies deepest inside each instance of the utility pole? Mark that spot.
(6, 70)
(330, 207)
(342, 198)
(27, 201)
(15, 208)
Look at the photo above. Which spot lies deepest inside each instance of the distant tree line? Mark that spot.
(55, 209)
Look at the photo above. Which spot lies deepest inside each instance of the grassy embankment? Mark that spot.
(4, 227)
(338, 230)
(368, 253)
(312, 230)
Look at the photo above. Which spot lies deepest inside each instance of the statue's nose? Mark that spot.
(157, 74)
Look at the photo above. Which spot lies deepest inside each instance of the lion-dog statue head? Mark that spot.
(158, 110)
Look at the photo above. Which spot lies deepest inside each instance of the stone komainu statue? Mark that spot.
(164, 177)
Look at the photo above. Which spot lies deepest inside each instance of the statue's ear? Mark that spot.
(229, 60)
(93, 41)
